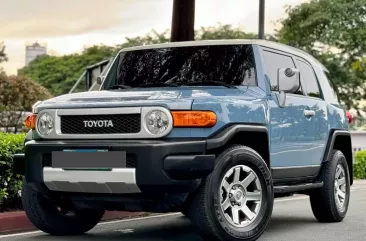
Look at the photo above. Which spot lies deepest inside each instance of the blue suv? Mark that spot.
(213, 129)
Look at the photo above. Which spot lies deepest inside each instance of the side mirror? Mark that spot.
(288, 82)
(100, 79)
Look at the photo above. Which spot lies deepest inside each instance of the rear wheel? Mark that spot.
(330, 203)
(235, 202)
(57, 218)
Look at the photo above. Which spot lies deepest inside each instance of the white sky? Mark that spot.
(69, 25)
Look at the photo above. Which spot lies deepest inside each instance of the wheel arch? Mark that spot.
(253, 136)
(340, 140)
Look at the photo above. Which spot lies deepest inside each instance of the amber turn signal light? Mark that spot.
(30, 121)
(194, 118)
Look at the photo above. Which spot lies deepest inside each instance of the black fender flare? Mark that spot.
(331, 140)
(348, 153)
(223, 136)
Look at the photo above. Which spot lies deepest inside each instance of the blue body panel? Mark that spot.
(295, 139)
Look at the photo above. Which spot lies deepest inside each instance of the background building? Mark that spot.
(34, 50)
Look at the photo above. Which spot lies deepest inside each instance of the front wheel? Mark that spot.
(235, 201)
(330, 203)
(55, 218)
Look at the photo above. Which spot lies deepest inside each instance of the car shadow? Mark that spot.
(179, 230)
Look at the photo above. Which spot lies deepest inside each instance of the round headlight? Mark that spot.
(157, 122)
(45, 124)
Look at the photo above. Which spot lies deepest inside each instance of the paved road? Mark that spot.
(292, 220)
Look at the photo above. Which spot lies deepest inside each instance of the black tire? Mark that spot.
(205, 210)
(185, 209)
(45, 216)
(323, 201)
(184, 212)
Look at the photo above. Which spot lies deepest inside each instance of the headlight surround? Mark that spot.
(45, 124)
(157, 122)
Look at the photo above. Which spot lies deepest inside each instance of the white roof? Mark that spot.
(264, 43)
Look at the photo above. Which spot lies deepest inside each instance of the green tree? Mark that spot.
(18, 95)
(59, 74)
(333, 31)
(226, 31)
(3, 56)
(151, 38)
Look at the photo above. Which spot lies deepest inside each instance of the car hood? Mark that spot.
(172, 98)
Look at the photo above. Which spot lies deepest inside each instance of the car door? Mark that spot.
(291, 134)
(317, 124)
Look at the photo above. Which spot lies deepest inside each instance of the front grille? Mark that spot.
(130, 160)
(122, 124)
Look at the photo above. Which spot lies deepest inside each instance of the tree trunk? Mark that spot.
(262, 8)
(183, 20)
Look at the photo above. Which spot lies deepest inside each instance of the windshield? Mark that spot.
(229, 64)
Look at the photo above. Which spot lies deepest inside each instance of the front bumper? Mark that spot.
(152, 166)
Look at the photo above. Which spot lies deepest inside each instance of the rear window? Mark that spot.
(232, 64)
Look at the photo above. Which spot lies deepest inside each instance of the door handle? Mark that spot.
(309, 113)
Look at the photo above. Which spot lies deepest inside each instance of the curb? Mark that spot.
(13, 222)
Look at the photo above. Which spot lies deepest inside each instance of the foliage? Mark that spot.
(360, 165)
(226, 31)
(10, 183)
(59, 74)
(3, 56)
(334, 32)
(151, 38)
(17, 95)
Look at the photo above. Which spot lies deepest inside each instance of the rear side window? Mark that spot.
(274, 62)
(309, 79)
(331, 87)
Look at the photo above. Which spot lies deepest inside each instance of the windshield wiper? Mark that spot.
(158, 84)
(115, 87)
(211, 82)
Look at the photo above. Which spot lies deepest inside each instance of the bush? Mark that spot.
(10, 183)
(360, 165)
(17, 96)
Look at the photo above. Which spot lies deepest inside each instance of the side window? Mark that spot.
(274, 62)
(330, 86)
(309, 79)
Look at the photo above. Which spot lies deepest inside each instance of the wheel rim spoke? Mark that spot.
(236, 174)
(248, 180)
(341, 194)
(226, 186)
(341, 181)
(338, 173)
(249, 214)
(226, 204)
(254, 196)
(235, 213)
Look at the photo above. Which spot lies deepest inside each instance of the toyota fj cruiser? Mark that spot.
(213, 129)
